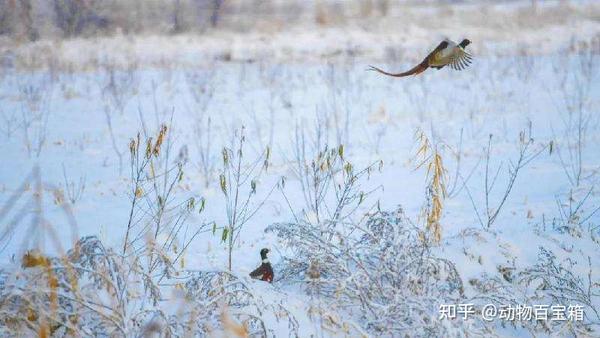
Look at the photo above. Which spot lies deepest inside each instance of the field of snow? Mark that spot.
(517, 134)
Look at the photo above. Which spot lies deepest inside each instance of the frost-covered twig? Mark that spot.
(239, 182)
(528, 151)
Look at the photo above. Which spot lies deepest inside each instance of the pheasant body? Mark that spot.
(447, 53)
(265, 271)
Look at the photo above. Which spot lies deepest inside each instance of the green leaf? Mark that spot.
(348, 168)
(225, 157)
(223, 184)
(224, 235)
(202, 204)
(191, 204)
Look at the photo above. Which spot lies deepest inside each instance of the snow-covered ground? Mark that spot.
(64, 123)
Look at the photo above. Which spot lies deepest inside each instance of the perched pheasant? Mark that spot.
(264, 272)
(447, 53)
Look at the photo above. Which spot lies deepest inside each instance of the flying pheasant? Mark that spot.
(447, 53)
(264, 272)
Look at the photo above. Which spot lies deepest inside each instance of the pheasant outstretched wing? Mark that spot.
(460, 59)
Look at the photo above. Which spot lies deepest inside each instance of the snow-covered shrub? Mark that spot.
(95, 291)
(91, 291)
(372, 266)
(564, 273)
(381, 272)
(212, 290)
(561, 281)
(376, 266)
(558, 282)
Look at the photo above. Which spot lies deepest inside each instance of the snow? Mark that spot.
(276, 85)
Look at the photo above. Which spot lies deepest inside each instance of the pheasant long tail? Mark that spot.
(414, 71)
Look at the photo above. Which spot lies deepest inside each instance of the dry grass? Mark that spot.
(430, 156)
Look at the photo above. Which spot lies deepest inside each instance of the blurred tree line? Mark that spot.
(34, 19)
